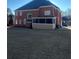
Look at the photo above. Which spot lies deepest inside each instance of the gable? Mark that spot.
(34, 4)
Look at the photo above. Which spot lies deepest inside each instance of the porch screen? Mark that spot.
(49, 21)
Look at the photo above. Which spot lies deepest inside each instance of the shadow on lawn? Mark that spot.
(25, 43)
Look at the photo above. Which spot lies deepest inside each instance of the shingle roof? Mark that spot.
(36, 4)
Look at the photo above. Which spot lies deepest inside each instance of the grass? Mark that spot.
(25, 43)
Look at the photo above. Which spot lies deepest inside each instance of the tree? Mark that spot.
(9, 12)
(66, 13)
(9, 17)
(66, 17)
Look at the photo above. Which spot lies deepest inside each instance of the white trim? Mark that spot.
(28, 15)
(29, 10)
(43, 26)
(56, 8)
(47, 12)
(16, 22)
(42, 17)
(24, 21)
(38, 8)
(45, 6)
(53, 19)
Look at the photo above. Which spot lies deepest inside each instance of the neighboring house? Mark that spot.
(38, 15)
(66, 20)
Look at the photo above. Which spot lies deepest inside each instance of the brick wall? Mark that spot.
(40, 12)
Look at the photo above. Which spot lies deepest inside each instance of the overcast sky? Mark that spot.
(62, 4)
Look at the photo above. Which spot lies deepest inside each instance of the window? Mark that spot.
(49, 21)
(29, 20)
(20, 13)
(53, 21)
(47, 13)
(35, 20)
(29, 15)
(41, 20)
(46, 21)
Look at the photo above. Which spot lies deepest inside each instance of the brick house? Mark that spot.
(38, 15)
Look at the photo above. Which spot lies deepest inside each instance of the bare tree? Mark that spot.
(67, 12)
(9, 11)
(9, 17)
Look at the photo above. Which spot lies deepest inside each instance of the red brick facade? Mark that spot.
(39, 13)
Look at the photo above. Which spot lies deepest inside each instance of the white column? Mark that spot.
(61, 20)
(16, 22)
(25, 21)
(54, 22)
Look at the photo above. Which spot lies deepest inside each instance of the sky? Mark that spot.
(62, 4)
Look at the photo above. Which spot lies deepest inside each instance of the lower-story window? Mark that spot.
(35, 20)
(41, 20)
(47, 21)
(53, 21)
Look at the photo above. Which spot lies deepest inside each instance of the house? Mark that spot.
(38, 15)
(66, 20)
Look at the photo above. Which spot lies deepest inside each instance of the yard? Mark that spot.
(25, 43)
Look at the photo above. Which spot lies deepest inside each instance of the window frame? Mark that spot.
(28, 15)
(20, 13)
(35, 20)
(48, 22)
(47, 12)
(40, 21)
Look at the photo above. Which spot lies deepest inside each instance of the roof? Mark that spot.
(36, 4)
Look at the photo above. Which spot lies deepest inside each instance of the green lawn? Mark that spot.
(23, 43)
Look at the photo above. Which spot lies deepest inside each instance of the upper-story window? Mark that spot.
(20, 13)
(47, 13)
